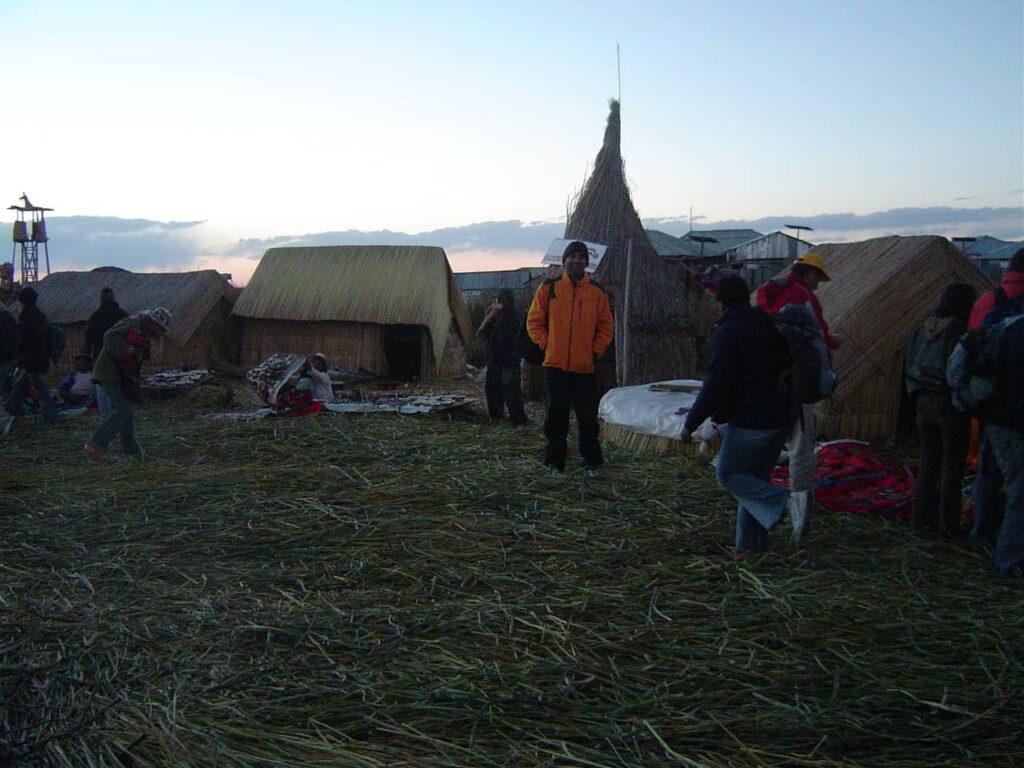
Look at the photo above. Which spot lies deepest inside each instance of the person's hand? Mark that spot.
(686, 436)
(837, 340)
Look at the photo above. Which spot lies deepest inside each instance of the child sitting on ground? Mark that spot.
(315, 379)
(77, 388)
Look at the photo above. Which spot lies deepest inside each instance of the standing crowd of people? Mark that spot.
(106, 371)
(753, 385)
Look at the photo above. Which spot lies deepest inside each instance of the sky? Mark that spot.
(224, 125)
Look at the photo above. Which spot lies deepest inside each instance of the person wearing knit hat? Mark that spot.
(34, 350)
(571, 321)
(116, 375)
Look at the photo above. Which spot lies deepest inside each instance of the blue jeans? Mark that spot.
(745, 464)
(117, 418)
(1008, 450)
(37, 381)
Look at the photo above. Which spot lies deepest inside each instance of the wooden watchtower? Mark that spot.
(28, 239)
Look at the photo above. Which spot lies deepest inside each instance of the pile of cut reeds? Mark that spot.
(383, 591)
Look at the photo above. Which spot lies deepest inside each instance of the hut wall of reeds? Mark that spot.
(202, 333)
(881, 291)
(391, 310)
(660, 343)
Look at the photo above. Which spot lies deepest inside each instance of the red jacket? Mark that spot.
(1012, 283)
(775, 294)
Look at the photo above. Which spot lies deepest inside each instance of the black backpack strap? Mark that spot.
(550, 283)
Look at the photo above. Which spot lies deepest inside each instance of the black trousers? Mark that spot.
(945, 435)
(578, 391)
(503, 387)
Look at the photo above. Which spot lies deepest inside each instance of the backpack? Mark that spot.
(525, 346)
(972, 372)
(809, 374)
(1002, 308)
(8, 336)
(58, 341)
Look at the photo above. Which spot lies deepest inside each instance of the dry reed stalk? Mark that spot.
(381, 591)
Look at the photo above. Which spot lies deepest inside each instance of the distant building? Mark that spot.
(990, 253)
(689, 248)
(484, 286)
(767, 255)
(689, 256)
(726, 239)
(671, 247)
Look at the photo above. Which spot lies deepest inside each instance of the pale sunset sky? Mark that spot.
(253, 120)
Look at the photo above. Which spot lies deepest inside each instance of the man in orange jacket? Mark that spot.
(571, 321)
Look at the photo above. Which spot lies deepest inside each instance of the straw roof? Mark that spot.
(883, 289)
(378, 284)
(660, 347)
(70, 297)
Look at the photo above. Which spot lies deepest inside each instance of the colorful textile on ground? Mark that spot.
(272, 374)
(296, 402)
(854, 477)
(384, 402)
(175, 378)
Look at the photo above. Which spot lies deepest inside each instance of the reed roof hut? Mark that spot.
(391, 310)
(657, 333)
(881, 291)
(201, 334)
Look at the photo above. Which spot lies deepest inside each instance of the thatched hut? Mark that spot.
(660, 344)
(202, 334)
(391, 310)
(881, 291)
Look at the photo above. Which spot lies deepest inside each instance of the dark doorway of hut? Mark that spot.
(403, 349)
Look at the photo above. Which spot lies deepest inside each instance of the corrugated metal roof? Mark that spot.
(987, 247)
(492, 281)
(670, 246)
(70, 297)
(379, 284)
(727, 238)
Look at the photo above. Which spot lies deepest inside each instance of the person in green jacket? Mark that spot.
(116, 375)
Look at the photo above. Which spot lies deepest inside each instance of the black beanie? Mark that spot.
(733, 291)
(576, 246)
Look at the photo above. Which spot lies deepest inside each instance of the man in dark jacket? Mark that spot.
(101, 321)
(8, 359)
(502, 387)
(1004, 431)
(990, 308)
(743, 387)
(34, 349)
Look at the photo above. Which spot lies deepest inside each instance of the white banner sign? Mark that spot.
(557, 248)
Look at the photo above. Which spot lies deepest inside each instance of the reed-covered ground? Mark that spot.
(387, 590)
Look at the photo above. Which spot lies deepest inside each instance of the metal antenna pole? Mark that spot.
(618, 66)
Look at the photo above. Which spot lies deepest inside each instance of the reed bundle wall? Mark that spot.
(352, 346)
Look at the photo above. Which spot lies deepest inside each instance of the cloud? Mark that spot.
(85, 242)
